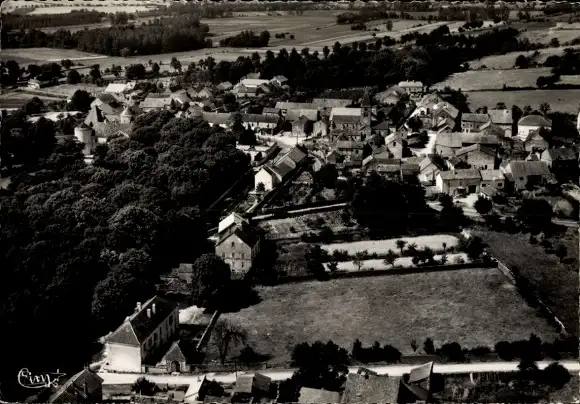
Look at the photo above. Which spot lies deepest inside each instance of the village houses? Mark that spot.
(531, 123)
(524, 174)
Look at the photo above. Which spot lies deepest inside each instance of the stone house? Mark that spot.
(271, 111)
(251, 386)
(279, 80)
(563, 162)
(302, 126)
(225, 86)
(502, 118)
(205, 93)
(177, 358)
(310, 396)
(142, 336)
(429, 167)
(454, 182)
(523, 174)
(531, 123)
(220, 119)
(472, 122)
(382, 128)
(478, 156)
(320, 128)
(415, 89)
(444, 110)
(258, 153)
(396, 145)
(259, 121)
(284, 107)
(325, 105)
(535, 142)
(469, 139)
(446, 144)
(390, 96)
(366, 386)
(238, 246)
(84, 387)
(156, 102)
(245, 92)
(492, 181)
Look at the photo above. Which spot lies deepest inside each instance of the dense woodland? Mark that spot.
(79, 245)
(161, 35)
(75, 17)
(362, 64)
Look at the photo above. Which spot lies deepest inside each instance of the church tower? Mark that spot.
(366, 109)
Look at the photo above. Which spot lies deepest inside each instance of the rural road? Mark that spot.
(283, 374)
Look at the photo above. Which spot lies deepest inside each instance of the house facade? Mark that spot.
(535, 142)
(142, 335)
(455, 182)
(472, 122)
(477, 156)
(238, 246)
(267, 176)
(492, 181)
(523, 174)
(320, 128)
(502, 118)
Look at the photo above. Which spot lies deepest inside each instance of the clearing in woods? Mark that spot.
(559, 100)
(494, 79)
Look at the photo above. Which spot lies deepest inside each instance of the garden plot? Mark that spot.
(401, 262)
(380, 247)
(303, 224)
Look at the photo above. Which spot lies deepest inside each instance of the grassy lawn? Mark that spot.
(473, 307)
(507, 61)
(556, 283)
(494, 79)
(382, 246)
(559, 100)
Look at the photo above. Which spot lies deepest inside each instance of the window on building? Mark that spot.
(232, 243)
(499, 185)
(242, 264)
(483, 185)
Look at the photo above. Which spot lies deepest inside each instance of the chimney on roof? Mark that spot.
(153, 306)
(138, 306)
(149, 313)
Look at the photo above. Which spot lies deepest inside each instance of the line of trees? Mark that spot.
(163, 35)
(360, 65)
(13, 21)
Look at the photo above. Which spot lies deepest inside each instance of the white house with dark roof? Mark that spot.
(142, 336)
(238, 246)
(531, 123)
(267, 176)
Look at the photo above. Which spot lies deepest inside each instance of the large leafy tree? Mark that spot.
(210, 276)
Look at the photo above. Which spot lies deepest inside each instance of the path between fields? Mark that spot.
(283, 374)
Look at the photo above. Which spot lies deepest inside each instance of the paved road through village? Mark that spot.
(282, 374)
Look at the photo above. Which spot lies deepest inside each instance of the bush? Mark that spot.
(480, 351)
(144, 387)
(555, 375)
(504, 350)
(375, 353)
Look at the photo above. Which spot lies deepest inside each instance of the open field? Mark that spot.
(557, 283)
(507, 61)
(48, 55)
(401, 262)
(382, 246)
(18, 99)
(559, 100)
(473, 307)
(546, 35)
(493, 79)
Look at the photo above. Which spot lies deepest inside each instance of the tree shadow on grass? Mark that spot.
(239, 295)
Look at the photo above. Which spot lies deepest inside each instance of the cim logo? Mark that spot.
(31, 380)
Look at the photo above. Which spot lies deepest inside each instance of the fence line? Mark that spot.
(208, 330)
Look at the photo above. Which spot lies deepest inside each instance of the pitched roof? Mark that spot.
(449, 139)
(155, 102)
(282, 168)
(310, 396)
(491, 175)
(467, 138)
(343, 111)
(216, 118)
(382, 126)
(301, 121)
(501, 116)
(369, 388)
(527, 168)
(477, 118)
(259, 118)
(422, 372)
(253, 82)
(139, 326)
(225, 85)
(461, 174)
(447, 107)
(280, 78)
(431, 159)
(252, 76)
(294, 154)
(231, 219)
(294, 114)
(331, 102)
(73, 391)
(175, 353)
(415, 84)
(476, 147)
(561, 153)
(243, 232)
(95, 115)
(296, 105)
(115, 88)
(247, 383)
(534, 120)
(346, 119)
(275, 111)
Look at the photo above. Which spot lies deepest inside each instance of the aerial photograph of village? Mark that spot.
(289, 201)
